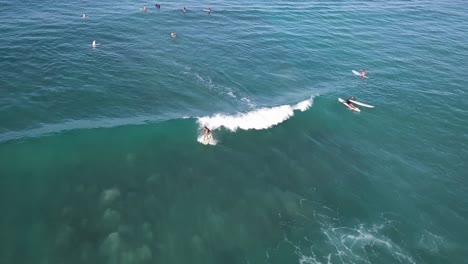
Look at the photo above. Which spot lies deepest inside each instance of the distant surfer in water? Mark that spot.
(85, 16)
(184, 10)
(94, 43)
(145, 8)
(209, 10)
(363, 73)
(157, 5)
(173, 35)
(349, 102)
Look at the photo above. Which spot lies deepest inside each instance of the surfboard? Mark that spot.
(361, 104)
(207, 10)
(207, 139)
(352, 108)
(357, 73)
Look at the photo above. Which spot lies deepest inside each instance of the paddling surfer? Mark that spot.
(348, 102)
(363, 73)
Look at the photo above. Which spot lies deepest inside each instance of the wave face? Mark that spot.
(257, 119)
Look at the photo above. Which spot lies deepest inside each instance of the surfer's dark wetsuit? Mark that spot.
(349, 102)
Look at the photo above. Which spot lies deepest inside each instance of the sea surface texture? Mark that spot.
(102, 158)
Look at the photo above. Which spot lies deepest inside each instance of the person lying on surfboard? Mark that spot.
(363, 73)
(349, 102)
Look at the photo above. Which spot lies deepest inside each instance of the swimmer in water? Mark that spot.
(184, 10)
(173, 35)
(145, 8)
(363, 73)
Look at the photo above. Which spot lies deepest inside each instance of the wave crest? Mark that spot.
(257, 119)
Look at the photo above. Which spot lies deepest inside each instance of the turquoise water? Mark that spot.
(100, 153)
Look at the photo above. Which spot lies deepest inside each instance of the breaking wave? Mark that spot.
(258, 119)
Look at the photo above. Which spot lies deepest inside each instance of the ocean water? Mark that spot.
(101, 158)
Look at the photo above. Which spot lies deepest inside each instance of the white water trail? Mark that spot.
(212, 141)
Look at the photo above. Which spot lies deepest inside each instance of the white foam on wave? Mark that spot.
(351, 243)
(212, 141)
(257, 119)
(304, 105)
(248, 102)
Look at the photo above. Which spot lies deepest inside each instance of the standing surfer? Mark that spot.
(207, 135)
(207, 132)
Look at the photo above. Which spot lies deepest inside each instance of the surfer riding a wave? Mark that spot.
(207, 133)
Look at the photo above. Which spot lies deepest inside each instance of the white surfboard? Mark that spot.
(357, 73)
(208, 10)
(94, 44)
(352, 108)
(207, 139)
(361, 104)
